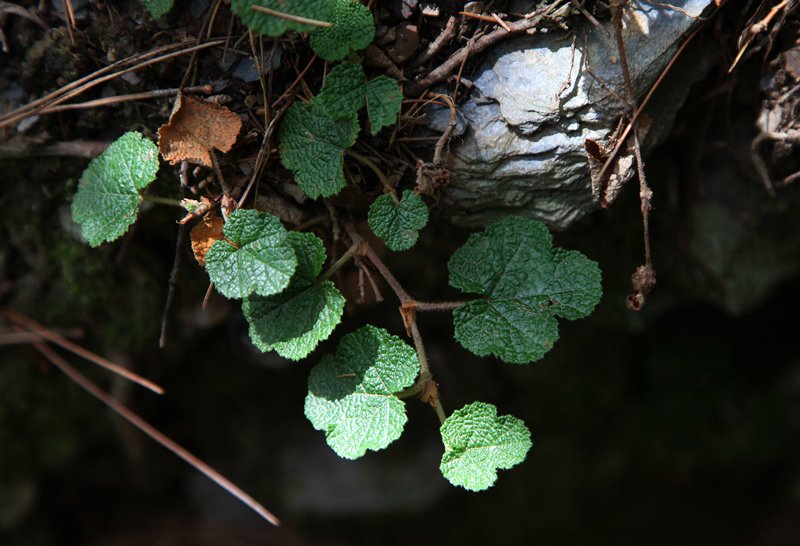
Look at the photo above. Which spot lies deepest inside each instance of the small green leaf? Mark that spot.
(351, 396)
(344, 91)
(525, 283)
(477, 443)
(270, 25)
(157, 8)
(107, 201)
(312, 147)
(398, 223)
(255, 256)
(384, 100)
(296, 320)
(353, 28)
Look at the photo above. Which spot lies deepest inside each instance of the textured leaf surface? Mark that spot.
(344, 91)
(319, 10)
(296, 320)
(384, 100)
(525, 283)
(196, 127)
(256, 256)
(398, 224)
(351, 396)
(312, 147)
(478, 443)
(107, 201)
(157, 8)
(353, 28)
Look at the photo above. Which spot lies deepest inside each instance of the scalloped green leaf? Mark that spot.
(157, 8)
(344, 91)
(353, 28)
(351, 396)
(398, 223)
(270, 25)
(256, 256)
(384, 100)
(296, 320)
(313, 145)
(478, 443)
(525, 285)
(107, 200)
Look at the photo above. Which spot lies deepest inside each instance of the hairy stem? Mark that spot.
(337, 265)
(439, 306)
(371, 166)
(162, 200)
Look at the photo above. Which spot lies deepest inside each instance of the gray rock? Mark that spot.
(534, 104)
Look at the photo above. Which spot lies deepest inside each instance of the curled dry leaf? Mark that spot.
(195, 127)
(207, 230)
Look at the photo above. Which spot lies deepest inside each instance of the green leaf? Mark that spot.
(477, 443)
(296, 320)
(256, 256)
(351, 396)
(312, 147)
(525, 284)
(346, 90)
(107, 201)
(398, 224)
(384, 100)
(353, 28)
(343, 94)
(157, 8)
(270, 25)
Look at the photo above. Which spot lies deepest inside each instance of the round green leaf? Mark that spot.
(313, 145)
(384, 101)
(478, 443)
(107, 201)
(525, 284)
(296, 320)
(351, 397)
(398, 224)
(255, 257)
(353, 28)
(344, 91)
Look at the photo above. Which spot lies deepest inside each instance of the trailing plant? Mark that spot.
(517, 283)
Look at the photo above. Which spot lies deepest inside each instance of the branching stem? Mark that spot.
(408, 308)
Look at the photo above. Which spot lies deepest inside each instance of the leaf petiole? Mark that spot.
(162, 200)
(336, 266)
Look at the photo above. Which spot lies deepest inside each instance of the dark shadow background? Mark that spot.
(676, 425)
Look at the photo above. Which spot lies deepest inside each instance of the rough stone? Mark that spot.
(535, 103)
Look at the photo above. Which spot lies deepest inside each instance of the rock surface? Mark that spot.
(534, 104)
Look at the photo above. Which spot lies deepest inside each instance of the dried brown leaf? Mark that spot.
(195, 127)
(203, 235)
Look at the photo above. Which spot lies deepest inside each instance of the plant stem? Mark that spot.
(370, 254)
(439, 306)
(337, 265)
(425, 375)
(371, 166)
(290, 17)
(162, 200)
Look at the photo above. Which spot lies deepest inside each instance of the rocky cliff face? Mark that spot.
(537, 99)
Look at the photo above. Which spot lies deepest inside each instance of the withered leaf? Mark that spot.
(195, 127)
(203, 235)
